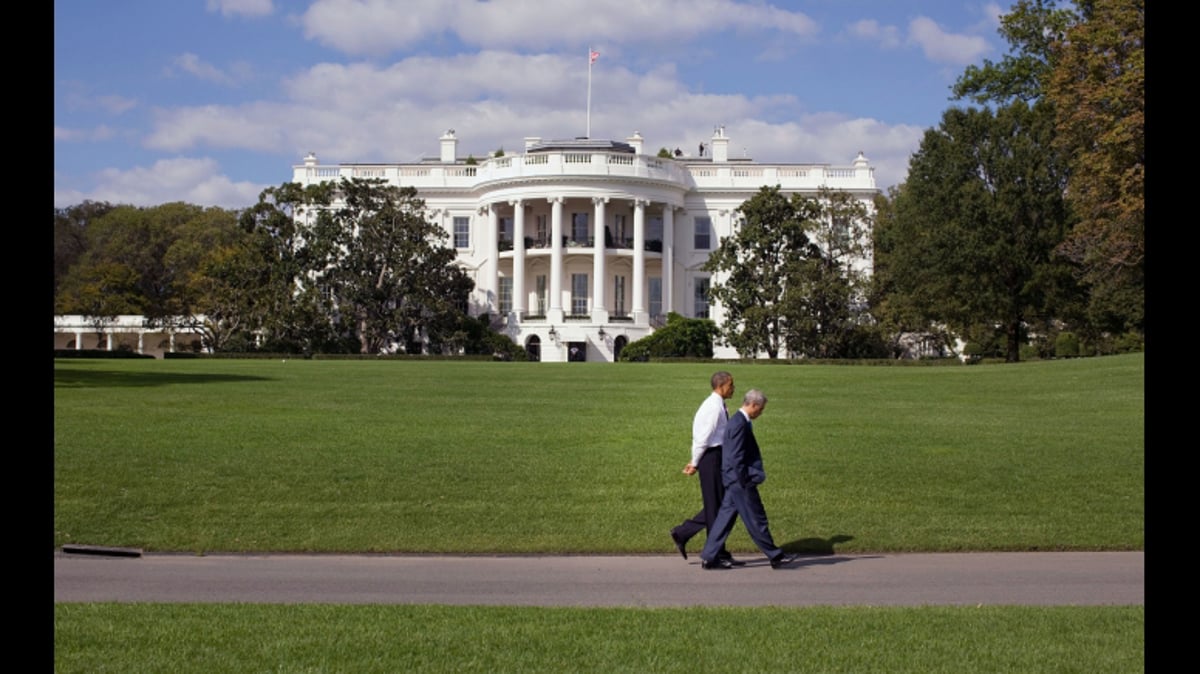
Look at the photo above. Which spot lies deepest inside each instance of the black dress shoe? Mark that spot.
(781, 560)
(716, 564)
(731, 560)
(679, 545)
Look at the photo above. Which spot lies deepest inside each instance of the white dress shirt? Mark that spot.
(708, 426)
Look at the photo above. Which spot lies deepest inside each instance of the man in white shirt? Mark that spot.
(708, 428)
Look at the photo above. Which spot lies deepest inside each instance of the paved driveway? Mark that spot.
(1039, 578)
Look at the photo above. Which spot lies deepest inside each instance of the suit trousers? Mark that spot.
(712, 492)
(745, 502)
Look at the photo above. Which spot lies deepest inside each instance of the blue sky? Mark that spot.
(210, 101)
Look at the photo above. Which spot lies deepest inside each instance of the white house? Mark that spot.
(581, 246)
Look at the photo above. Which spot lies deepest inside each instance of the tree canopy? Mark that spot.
(972, 237)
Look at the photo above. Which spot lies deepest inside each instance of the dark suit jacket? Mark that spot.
(741, 462)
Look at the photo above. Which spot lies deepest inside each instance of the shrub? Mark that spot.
(680, 338)
(1066, 345)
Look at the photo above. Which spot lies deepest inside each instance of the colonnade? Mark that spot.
(599, 310)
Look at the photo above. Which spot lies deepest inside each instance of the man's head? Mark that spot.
(722, 384)
(753, 403)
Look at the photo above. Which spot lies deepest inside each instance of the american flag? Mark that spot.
(593, 56)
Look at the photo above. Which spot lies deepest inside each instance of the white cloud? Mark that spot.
(367, 113)
(97, 133)
(377, 27)
(240, 7)
(115, 105)
(191, 64)
(990, 22)
(942, 47)
(196, 181)
(887, 37)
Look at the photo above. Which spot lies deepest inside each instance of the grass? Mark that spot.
(180, 638)
(450, 457)
(398, 456)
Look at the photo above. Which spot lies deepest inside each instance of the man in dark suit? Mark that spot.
(742, 471)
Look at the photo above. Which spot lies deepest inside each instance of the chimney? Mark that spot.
(720, 145)
(530, 141)
(449, 147)
(636, 141)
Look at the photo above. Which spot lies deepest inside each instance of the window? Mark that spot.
(619, 296)
(579, 294)
(505, 293)
(462, 232)
(654, 229)
(701, 303)
(624, 239)
(542, 236)
(703, 235)
(840, 234)
(506, 229)
(655, 288)
(541, 294)
(579, 227)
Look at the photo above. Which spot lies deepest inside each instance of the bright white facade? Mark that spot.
(579, 247)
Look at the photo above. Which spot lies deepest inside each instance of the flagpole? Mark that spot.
(589, 95)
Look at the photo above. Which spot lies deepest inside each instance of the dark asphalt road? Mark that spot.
(1038, 578)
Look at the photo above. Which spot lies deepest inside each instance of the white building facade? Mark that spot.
(578, 247)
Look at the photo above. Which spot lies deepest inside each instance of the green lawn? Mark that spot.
(437, 456)
(443, 456)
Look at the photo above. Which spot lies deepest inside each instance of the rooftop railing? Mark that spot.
(733, 174)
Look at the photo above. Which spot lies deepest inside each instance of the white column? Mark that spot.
(519, 297)
(491, 268)
(668, 259)
(78, 340)
(555, 312)
(599, 310)
(639, 261)
(141, 341)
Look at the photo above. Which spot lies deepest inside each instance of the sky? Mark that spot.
(211, 101)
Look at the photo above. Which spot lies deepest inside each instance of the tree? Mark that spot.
(825, 299)
(769, 245)
(285, 308)
(974, 227)
(70, 235)
(137, 260)
(393, 278)
(1088, 63)
(1098, 85)
(1032, 30)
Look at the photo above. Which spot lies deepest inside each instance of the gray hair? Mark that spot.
(754, 397)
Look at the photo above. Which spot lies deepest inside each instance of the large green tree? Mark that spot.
(794, 275)
(1086, 59)
(769, 244)
(70, 235)
(138, 260)
(266, 283)
(1098, 86)
(825, 299)
(974, 226)
(388, 267)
